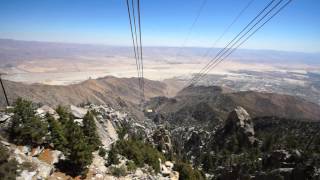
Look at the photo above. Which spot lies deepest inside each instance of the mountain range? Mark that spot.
(191, 104)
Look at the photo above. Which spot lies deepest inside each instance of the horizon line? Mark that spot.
(154, 46)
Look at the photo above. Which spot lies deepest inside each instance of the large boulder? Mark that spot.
(4, 117)
(40, 168)
(5, 123)
(78, 112)
(43, 110)
(240, 122)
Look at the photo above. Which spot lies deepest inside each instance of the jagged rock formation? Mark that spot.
(240, 123)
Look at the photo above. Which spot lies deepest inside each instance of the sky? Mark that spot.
(164, 23)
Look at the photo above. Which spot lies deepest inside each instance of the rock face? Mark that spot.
(43, 110)
(4, 117)
(5, 121)
(78, 112)
(107, 121)
(42, 169)
(239, 122)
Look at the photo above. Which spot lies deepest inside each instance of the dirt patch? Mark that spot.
(46, 156)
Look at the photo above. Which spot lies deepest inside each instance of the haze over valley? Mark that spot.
(281, 72)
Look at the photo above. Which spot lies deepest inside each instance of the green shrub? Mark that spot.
(122, 132)
(131, 166)
(102, 152)
(118, 171)
(137, 151)
(186, 172)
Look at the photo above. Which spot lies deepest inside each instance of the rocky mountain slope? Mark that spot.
(99, 91)
(202, 133)
(189, 105)
(203, 106)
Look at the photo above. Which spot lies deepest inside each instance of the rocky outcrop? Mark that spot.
(4, 117)
(43, 110)
(40, 167)
(5, 121)
(78, 112)
(239, 122)
(166, 169)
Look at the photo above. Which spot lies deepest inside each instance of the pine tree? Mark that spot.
(27, 128)
(63, 113)
(90, 131)
(113, 155)
(80, 153)
(57, 134)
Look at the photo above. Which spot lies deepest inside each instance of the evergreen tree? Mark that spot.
(63, 113)
(57, 134)
(113, 155)
(90, 131)
(27, 128)
(80, 153)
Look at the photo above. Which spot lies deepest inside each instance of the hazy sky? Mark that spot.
(164, 22)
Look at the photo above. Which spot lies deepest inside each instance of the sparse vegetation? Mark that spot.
(118, 171)
(137, 151)
(186, 172)
(102, 152)
(131, 166)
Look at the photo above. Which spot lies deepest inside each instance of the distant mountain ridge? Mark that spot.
(105, 90)
(13, 51)
(204, 105)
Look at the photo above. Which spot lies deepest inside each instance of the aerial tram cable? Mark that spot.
(212, 61)
(227, 29)
(232, 49)
(136, 47)
(141, 53)
(208, 51)
(218, 59)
